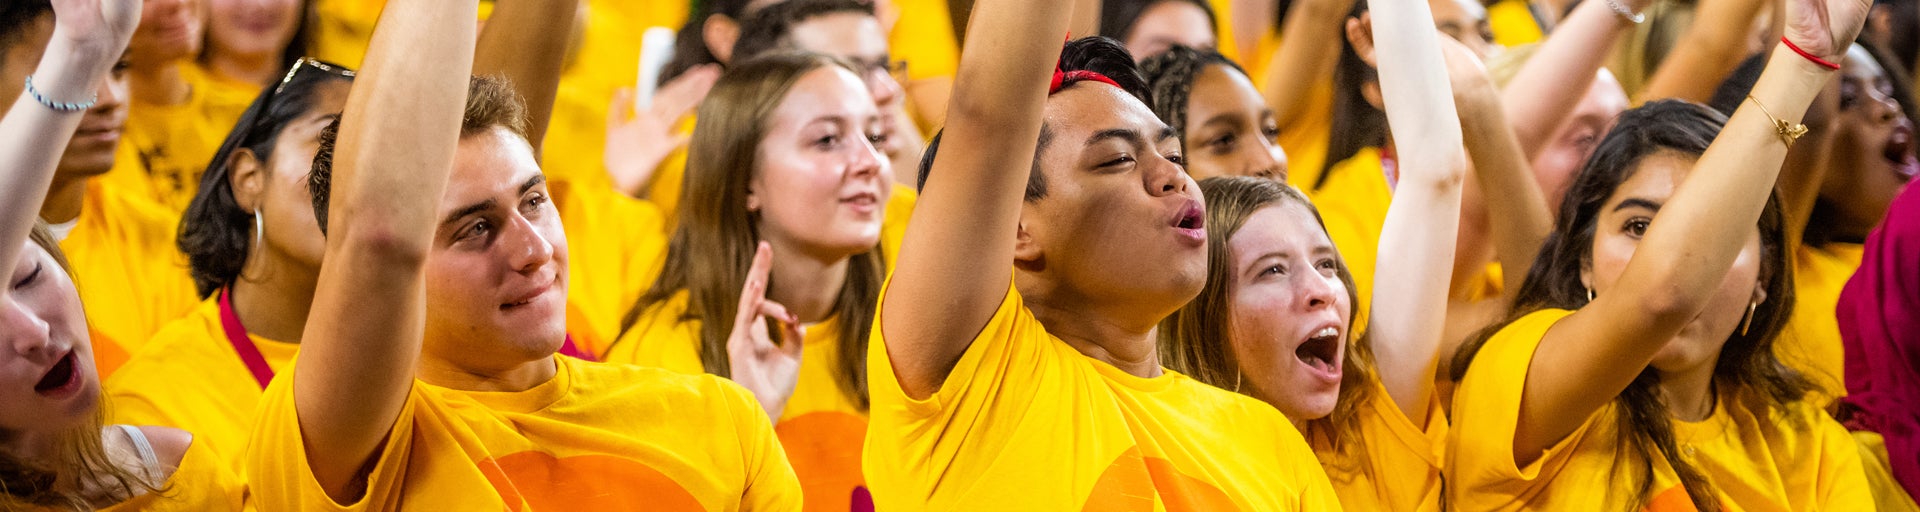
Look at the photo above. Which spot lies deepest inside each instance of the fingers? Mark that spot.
(622, 107)
(755, 291)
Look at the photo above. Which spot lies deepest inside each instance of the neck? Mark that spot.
(64, 200)
(253, 69)
(1129, 347)
(159, 83)
(525, 376)
(1689, 392)
(272, 299)
(806, 283)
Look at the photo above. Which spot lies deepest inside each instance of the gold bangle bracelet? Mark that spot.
(1788, 132)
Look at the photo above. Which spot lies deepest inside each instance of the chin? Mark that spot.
(1308, 408)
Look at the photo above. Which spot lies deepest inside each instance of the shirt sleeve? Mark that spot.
(1486, 414)
(279, 473)
(771, 483)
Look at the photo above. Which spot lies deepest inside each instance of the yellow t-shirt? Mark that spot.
(1811, 341)
(1797, 458)
(174, 143)
(1025, 422)
(922, 35)
(202, 483)
(1513, 23)
(132, 279)
(595, 437)
(189, 377)
(1888, 495)
(821, 427)
(1305, 138)
(615, 246)
(1402, 469)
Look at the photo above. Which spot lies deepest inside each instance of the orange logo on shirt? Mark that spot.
(1134, 482)
(537, 481)
(1674, 499)
(825, 448)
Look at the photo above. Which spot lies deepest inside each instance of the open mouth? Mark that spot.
(59, 378)
(1321, 351)
(1899, 152)
(1191, 217)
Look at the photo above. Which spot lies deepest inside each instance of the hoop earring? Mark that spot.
(259, 226)
(1589, 294)
(1236, 380)
(1747, 321)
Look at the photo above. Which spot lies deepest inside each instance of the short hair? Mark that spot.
(772, 28)
(491, 103)
(1117, 17)
(1103, 55)
(18, 15)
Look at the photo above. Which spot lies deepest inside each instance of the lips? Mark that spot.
(527, 298)
(62, 379)
(864, 201)
(1321, 353)
(1190, 223)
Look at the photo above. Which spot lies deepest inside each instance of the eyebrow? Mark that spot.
(1637, 203)
(489, 204)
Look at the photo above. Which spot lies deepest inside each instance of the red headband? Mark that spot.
(1060, 78)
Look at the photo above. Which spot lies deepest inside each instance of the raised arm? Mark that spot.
(1551, 84)
(1410, 297)
(390, 166)
(1310, 48)
(88, 37)
(1515, 209)
(1590, 356)
(525, 41)
(1710, 48)
(957, 256)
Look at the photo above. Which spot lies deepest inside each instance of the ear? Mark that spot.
(720, 32)
(248, 179)
(1360, 35)
(1586, 272)
(1026, 250)
(1760, 293)
(753, 194)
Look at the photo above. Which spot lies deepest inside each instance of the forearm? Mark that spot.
(1423, 221)
(1709, 50)
(1309, 48)
(1518, 220)
(33, 137)
(526, 42)
(1547, 89)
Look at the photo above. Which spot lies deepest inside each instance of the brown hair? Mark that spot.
(1197, 340)
(491, 103)
(713, 245)
(82, 456)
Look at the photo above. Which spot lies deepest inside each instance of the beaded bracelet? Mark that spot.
(58, 106)
(1624, 12)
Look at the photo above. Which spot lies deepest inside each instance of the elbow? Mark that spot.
(1670, 300)
(382, 242)
(1446, 173)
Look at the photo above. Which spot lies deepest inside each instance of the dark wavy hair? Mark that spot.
(1117, 17)
(1170, 76)
(215, 232)
(1103, 55)
(771, 28)
(1746, 371)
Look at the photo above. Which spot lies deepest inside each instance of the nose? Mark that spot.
(884, 88)
(528, 249)
(1163, 177)
(1317, 290)
(1269, 161)
(23, 331)
(109, 94)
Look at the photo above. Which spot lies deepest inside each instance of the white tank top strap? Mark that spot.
(148, 459)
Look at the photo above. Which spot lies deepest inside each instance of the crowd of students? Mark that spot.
(825, 255)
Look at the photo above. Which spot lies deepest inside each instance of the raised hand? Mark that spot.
(767, 366)
(639, 139)
(1825, 28)
(104, 25)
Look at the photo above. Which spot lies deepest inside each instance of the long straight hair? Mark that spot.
(1197, 340)
(1746, 371)
(712, 247)
(81, 457)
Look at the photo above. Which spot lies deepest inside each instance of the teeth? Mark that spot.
(1326, 332)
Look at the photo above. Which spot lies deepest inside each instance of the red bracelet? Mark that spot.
(1816, 60)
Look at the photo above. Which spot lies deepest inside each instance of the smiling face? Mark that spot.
(47, 378)
(252, 28)
(1873, 156)
(1120, 225)
(1168, 23)
(1230, 131)
(497, 272)
(821, 186)
(169, 30)
(1291, 311)
(1623, 220)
